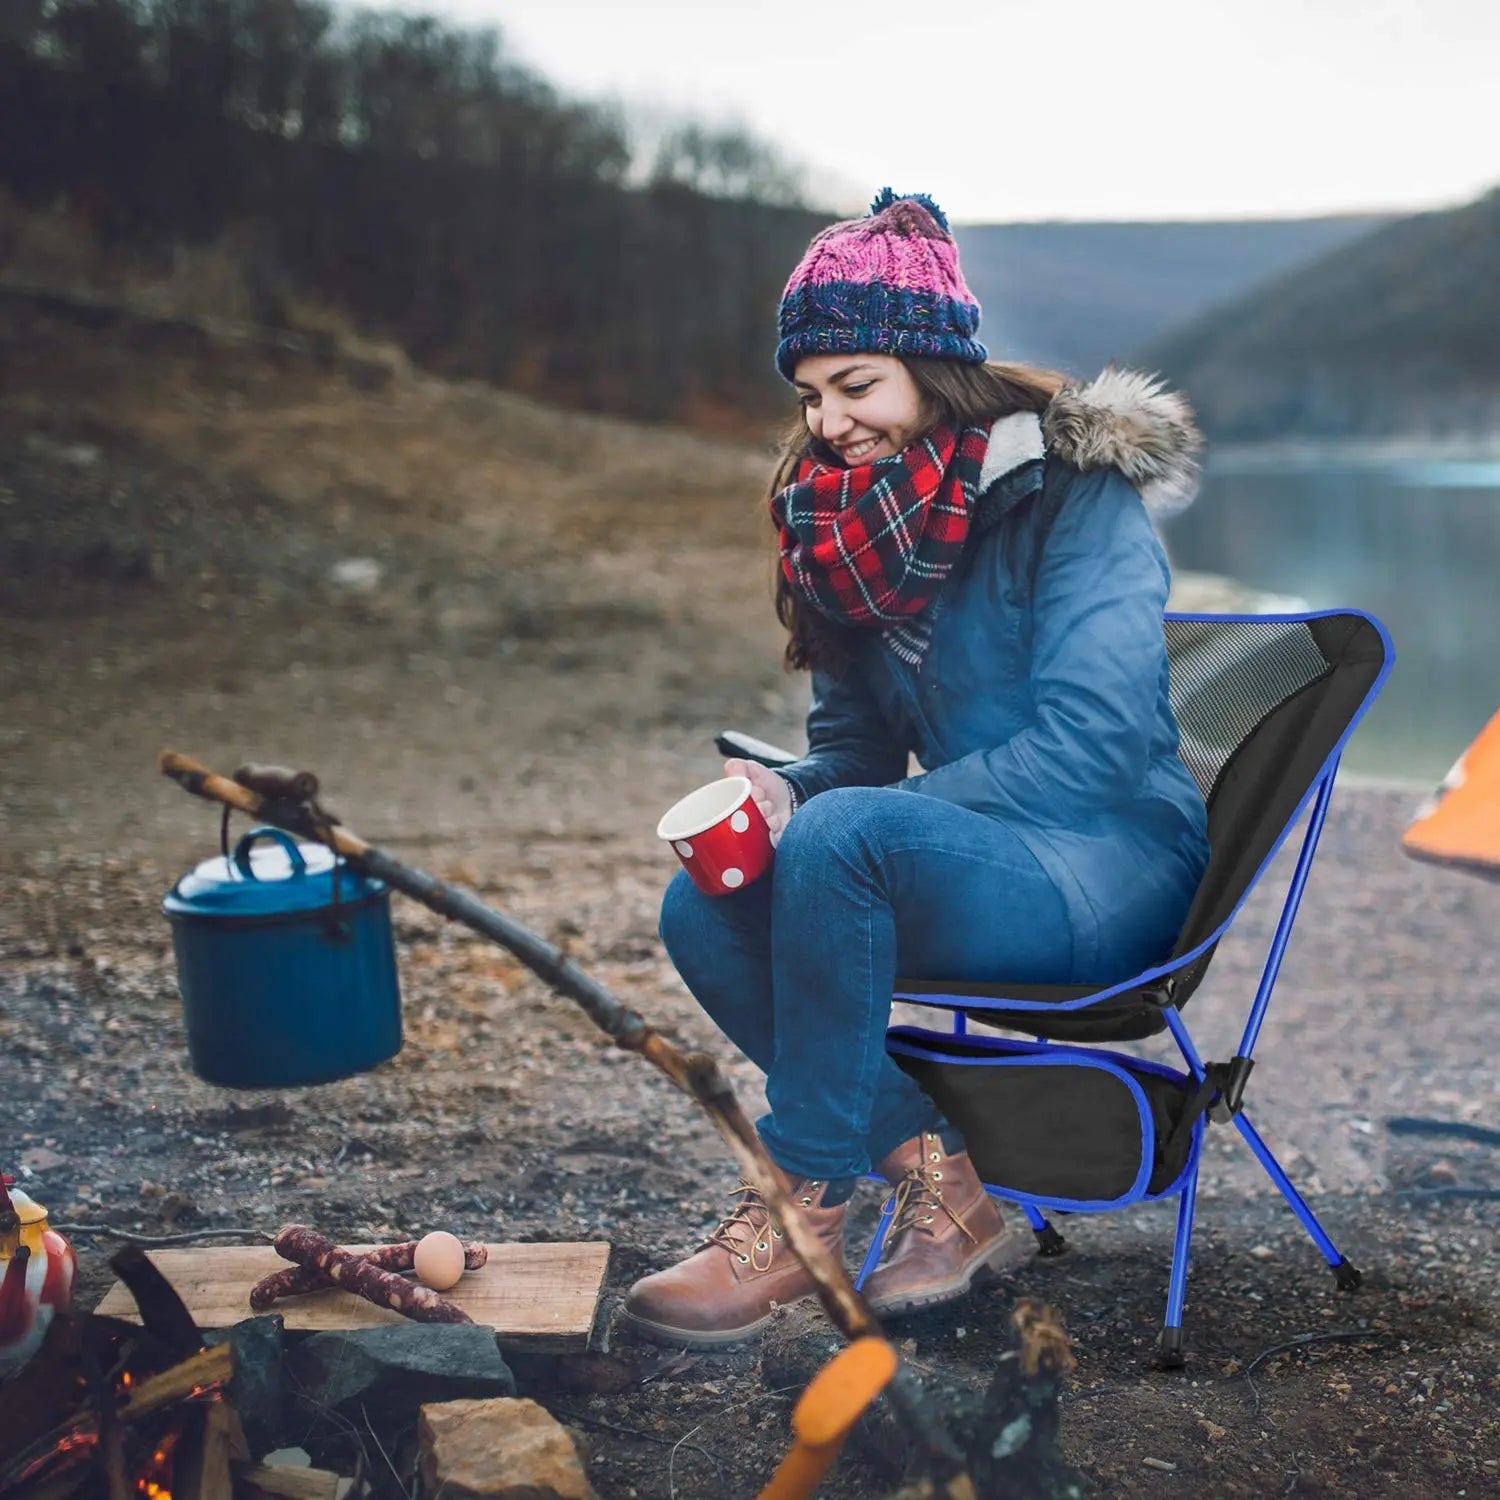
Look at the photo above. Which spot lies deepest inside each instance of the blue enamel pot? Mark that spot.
(286, 965)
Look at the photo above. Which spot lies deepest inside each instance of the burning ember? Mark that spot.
(156, 1482)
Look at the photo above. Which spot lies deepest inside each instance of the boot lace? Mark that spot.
(916, 1204)
(748, 1232)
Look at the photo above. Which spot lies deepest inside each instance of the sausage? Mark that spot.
(345, 1269)
(294, 1280)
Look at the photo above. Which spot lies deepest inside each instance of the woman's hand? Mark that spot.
(771, 793)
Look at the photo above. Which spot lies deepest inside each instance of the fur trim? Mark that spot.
(1128, 420)
(1014, 440)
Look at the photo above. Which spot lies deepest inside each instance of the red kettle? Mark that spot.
(37, 1269)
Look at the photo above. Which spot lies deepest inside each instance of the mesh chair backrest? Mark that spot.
(1226, 676)
(1261, 704)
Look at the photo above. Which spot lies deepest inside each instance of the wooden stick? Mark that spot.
(201, 1468)
(695, 1073)
(163, 1312)
(111, 1435)
(63, 1484)
(291, 1484)
(202, 1372)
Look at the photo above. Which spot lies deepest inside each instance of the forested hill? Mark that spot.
(1396, 335)
(417, 179)
(1077, 296)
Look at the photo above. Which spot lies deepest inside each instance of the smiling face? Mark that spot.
(864, 406)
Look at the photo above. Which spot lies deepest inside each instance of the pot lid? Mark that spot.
(27, 1210)
(268, 873)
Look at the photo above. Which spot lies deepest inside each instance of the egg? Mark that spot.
(439, 1260)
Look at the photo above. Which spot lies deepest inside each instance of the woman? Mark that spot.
(969, 570)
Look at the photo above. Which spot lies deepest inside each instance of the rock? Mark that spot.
(391, 1370)
(257, 1392)
(498, 1450)
(287, 1458)
(360, 574)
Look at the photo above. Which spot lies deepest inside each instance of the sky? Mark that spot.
(1058, 109)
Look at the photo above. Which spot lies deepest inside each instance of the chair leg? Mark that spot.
(872, 1255)
(1048, 1241)
(1346, 1275)
(1171, 1355)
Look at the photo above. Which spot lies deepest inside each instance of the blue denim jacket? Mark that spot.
(1042, 700)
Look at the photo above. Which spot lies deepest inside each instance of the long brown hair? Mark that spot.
(954, 394)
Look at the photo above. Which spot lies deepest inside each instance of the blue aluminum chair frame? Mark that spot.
(1225, 1084)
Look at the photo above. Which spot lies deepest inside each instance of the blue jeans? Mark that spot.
(798, 968)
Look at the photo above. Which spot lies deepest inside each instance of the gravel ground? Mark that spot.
(514, 719)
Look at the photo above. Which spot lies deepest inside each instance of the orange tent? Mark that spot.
(1459, 825)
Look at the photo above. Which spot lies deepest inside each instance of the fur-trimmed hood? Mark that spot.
(1123, 419)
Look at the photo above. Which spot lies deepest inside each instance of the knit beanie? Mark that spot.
(885, 284)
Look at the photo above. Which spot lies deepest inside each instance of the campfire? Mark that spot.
(117, 1411)
(339, 1375)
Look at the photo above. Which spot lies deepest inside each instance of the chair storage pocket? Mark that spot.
(1066, 1124)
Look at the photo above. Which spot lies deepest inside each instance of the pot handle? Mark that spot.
(241, 854)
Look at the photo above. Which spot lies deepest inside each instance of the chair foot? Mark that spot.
(1347, 1276)
(1170, 1355)
(1049, 1242)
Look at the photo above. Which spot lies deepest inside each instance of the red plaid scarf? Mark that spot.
(871, 546)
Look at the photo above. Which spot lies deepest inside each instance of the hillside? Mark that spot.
(504, 634)
(1395, 335)
(1077, 296)
(312, 566)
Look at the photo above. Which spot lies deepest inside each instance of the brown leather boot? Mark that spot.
(725, 1291)
(946, 1229)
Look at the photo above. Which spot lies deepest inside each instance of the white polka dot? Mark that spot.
(733, 878)
(740, 821)
(684, 848)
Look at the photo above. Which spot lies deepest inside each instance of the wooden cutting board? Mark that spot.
(533, 1296)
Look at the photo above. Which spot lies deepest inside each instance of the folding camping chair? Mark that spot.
(1264, 704)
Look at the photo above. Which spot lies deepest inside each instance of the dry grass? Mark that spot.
(48, 247)
(542, 585)
(461, 456)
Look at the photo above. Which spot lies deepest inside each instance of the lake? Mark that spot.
(1414, 541)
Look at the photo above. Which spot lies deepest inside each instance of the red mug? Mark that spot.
(719, 835)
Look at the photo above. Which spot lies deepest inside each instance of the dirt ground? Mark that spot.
(504, 636)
